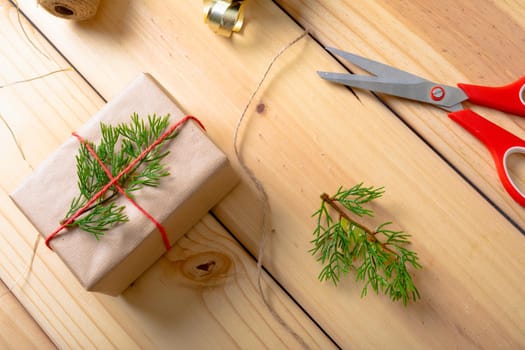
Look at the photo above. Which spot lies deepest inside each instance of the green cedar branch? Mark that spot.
(379, 257)
(118, 147)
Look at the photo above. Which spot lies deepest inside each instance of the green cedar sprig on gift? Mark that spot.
(118, 147)
(379, 257)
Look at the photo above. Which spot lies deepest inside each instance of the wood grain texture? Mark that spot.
(200, 295)
(449, 42)
(203, 294)
(313, 137)
(18, 330)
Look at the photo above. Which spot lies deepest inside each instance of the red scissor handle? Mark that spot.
(499, 142)
(509, 98)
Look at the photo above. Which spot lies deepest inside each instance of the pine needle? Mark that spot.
(118, 147)
(379, 257)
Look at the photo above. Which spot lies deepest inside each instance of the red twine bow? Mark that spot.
(114, 182)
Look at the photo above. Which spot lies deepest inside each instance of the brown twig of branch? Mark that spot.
(370, 234)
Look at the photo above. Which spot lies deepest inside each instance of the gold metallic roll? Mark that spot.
(71, 9)
(224, 16)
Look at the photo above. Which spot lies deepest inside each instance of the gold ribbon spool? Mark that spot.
(224, 16)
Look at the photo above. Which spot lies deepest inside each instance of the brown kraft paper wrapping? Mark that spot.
(200, 175)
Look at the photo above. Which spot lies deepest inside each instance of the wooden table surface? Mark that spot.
(312, 137)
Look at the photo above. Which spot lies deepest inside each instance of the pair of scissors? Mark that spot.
(510, 98)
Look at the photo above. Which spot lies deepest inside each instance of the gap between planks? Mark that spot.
(222, 224)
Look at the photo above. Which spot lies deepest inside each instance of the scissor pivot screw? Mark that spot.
(437, 93)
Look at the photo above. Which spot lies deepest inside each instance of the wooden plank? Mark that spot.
(313, 137)
(18, 330)
(448, 42)
(202, 294)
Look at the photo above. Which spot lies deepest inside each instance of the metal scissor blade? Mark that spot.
(418, 91)
(412, 91)
(377, 68)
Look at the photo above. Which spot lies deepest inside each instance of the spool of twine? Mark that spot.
(71, 9)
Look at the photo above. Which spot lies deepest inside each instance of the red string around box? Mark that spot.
(114, 182)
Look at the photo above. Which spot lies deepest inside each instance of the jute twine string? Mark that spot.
(25, 33)
(22, 278)
(263, 196)
(24, 275)
(25, 272)
(36, 48)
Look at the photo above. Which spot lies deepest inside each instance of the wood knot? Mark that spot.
(206, 266)
(203, 269)
(260, 108)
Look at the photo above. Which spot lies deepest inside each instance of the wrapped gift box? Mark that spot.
(200, 175)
